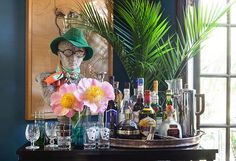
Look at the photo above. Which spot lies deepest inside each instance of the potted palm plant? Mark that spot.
(141, 39)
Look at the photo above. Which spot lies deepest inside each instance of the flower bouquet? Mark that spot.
(74, 101)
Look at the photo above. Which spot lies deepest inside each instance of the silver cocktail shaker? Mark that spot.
(187, 111)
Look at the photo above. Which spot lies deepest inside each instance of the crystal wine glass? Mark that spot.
(32, 134)
(51, 132)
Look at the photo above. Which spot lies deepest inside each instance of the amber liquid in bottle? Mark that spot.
(118, 95)
(147, 115)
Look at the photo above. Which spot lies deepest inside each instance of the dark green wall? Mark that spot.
(12, 74)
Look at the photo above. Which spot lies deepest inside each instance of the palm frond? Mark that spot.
(199, 22)
(137, 36)
(134, 36)
(147, 28)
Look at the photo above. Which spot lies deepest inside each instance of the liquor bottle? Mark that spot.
(128, 128)
(126, 101)
(147, 110)
(138, 107)
(39, 119)
(155, 104)
(169, 102)
(147, 115)
(118, 95)
(169, 127)
(133, 98)
(111, 114)
(110, 102)
(127, 91)
(140, 86)
(154, 96)
(118, 98)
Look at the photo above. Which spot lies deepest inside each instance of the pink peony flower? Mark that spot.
(64, 102)
(95, 94)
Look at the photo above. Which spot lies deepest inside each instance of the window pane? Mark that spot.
(215, 97)
(233, 102)
(213, 53)
(233, 145)
(233, 49)
(214, 138)
(210, 3)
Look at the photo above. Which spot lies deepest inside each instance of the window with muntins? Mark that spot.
(215, 76)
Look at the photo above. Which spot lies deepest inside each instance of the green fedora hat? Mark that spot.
(75, 37)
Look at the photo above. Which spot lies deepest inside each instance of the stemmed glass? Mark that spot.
(32, 134)
(101, 76)
(51, 132)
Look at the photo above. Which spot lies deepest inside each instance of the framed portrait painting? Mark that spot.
(46, 21)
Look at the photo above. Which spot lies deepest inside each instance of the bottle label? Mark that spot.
(111, 120)
(140, 86)
(140, 81)
(154, 98)
(136, 116)
(141, 90)
(128, 132)
(111, 116)
(126, 94)
(173, 131)
(147, 97)
(145, 125)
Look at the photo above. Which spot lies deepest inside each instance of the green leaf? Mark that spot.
(141, 39)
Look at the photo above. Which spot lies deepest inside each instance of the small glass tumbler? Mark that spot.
(104, 138)
(90, 137)
(64, 133)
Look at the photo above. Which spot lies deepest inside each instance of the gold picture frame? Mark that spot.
(41, 29)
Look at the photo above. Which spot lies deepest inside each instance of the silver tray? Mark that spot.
(158, 143)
